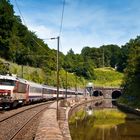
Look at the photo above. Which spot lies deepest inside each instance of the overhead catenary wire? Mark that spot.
(26, 24)
(20, 12)
(62, 16)
(61, 23)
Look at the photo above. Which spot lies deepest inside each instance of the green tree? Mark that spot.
(76, 63)
(111, 55)
(6, 25)
(132, 72)
(4, 68)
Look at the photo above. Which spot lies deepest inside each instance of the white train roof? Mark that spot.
(12, 77)
(15, 78)
(8, 77)
(49, 87)
(32, 84)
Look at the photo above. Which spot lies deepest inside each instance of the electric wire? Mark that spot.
(62, 16)
(26, 24)
(20, 12)
(61, 23)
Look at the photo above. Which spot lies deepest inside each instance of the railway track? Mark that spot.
(22, 124)
(4, 115)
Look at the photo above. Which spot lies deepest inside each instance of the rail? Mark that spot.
(12, 126)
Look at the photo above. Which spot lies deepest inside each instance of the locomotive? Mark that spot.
(16, 91)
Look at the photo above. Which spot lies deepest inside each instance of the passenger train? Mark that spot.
(15, 91)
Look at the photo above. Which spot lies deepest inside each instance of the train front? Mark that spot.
(7, 84)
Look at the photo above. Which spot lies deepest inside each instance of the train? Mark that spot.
(16, 91)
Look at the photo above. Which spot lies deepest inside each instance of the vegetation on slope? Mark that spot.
(39, 76)
(104, 76)
(107, 77)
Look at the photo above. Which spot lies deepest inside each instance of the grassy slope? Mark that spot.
(37, 75)
(104, 76)
(29, 73)
(107, 77)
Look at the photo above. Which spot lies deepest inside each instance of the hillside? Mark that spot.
(104, 76)
(107, 77)
(27, 72)
(39, 76)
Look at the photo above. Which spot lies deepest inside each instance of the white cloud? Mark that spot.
(84, 24)
(42, 31)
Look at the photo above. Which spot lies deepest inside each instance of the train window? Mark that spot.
(21, 88)
(35, 90)
(45, 91)
(7, 82)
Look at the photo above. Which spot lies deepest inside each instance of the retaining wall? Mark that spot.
(51, 129)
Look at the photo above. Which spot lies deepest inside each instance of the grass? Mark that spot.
(108, 114)
(80, 115)
(39, 76)
(104, 76)
(29, 73)
(107, 77)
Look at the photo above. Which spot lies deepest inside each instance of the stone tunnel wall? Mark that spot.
(107, 92)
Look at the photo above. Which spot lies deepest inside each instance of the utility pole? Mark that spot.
(57, 73)
(76, 88)
(58, 38)
(21, 71)
(66, 86)
(103, 57)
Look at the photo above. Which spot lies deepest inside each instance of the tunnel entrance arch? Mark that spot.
(97, 93)
(116, 94)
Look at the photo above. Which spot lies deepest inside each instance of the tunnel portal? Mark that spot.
(116, 94)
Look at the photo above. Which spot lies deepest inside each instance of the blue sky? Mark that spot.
(85, 23)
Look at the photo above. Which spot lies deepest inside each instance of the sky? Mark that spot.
(90, 23)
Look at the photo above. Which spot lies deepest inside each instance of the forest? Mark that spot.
(22, 46)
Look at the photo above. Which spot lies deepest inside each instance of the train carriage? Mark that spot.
(34, 91)
(12, 91)
(15, 91)
(62, 93)
(47, 93)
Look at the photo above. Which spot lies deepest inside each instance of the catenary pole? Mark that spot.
(57, 74)
(57, 69)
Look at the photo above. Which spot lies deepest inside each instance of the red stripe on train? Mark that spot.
(4, 91)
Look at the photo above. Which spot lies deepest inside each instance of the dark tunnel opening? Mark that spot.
(97, 93)
(116, 94)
